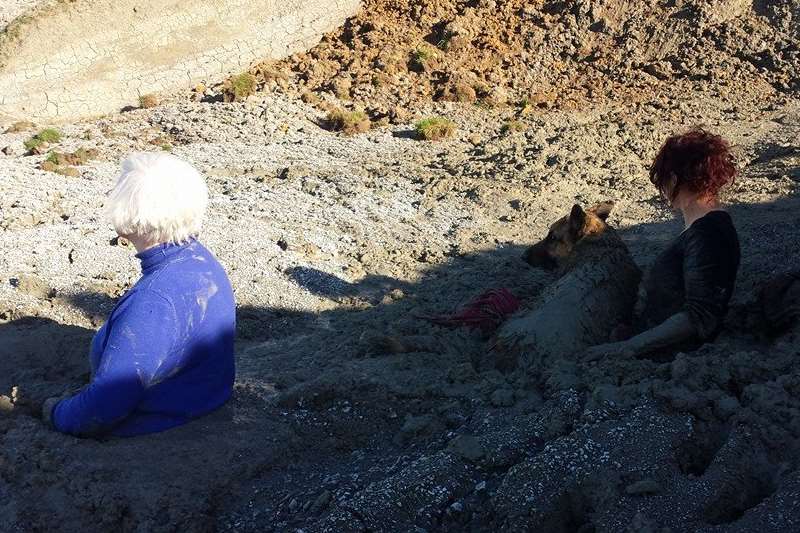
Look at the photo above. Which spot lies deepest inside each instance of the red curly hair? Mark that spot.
(697, 160)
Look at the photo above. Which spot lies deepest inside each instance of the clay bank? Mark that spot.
(66, 60)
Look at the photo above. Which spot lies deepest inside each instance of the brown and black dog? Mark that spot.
(556, 249)
(595, 292)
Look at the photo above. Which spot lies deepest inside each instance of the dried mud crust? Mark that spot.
(330, 240)
(394, 55)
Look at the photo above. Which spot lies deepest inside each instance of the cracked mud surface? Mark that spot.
(81, 58)
(329, 240)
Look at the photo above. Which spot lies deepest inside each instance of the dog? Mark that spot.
(595, 292)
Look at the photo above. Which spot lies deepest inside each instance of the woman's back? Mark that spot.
(166, 351)
(696, 274)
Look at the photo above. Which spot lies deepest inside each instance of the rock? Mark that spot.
(418, 425)
(467, 447)
(497, 96)
(118, 241)
(6, 405)
(456, 507)
(9, 151)
(726, 407)
(503, 398)
(293, 172)
(643, 488)
(475, 139)
(321, 502)
(294, 505)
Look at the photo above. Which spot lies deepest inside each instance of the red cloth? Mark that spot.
(486, 312)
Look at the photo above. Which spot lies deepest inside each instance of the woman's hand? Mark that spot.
(617, 350)
(47, 411)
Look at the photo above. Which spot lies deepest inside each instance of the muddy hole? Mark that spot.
(749, 480)
(696, 454)
(572, 514)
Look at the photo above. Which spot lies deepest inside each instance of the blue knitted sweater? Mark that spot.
(165, 355)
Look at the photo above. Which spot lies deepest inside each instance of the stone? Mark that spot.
(467, 447)
(643, 488)
(503, 398)
(6, 405)
(321, 502)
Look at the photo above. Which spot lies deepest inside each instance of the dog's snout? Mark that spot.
(538, 256)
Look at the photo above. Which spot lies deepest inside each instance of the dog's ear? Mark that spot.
(602, 210)
(577, 220)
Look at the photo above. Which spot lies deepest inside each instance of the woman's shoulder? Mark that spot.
(714, 225)
(714, 233)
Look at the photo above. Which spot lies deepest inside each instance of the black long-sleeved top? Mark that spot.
(696, 275)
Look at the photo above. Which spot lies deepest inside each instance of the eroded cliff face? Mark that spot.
(71, 59)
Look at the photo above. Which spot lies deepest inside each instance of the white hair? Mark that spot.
(158, 197)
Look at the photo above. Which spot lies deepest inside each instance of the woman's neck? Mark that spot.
(141, 243)
(695, 208)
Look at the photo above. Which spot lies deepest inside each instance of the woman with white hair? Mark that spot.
(165, 355)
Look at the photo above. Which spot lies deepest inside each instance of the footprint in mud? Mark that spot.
(742, 475)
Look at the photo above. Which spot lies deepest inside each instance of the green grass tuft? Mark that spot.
(59, 161)
(45, 137)
(421, 56)
(435, 129)
(513, 126)
(348, 122)
(239, 87)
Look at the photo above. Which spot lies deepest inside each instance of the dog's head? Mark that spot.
(566, 233)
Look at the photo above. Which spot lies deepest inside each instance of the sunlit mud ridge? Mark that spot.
(64, 60)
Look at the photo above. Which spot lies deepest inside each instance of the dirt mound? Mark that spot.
(397, 53)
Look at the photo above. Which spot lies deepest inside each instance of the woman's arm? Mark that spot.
(676, 329)
(140, 340)
(703, 311)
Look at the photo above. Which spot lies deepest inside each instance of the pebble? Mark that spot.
(6, 405)
(503, 398)
(467, 447)
(643, 488)
(321, 502)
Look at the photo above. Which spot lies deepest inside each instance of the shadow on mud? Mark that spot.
(318, 414)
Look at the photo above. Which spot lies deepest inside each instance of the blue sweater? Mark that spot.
(165, 355)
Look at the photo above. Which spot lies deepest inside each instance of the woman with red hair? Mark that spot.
(686, 293)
